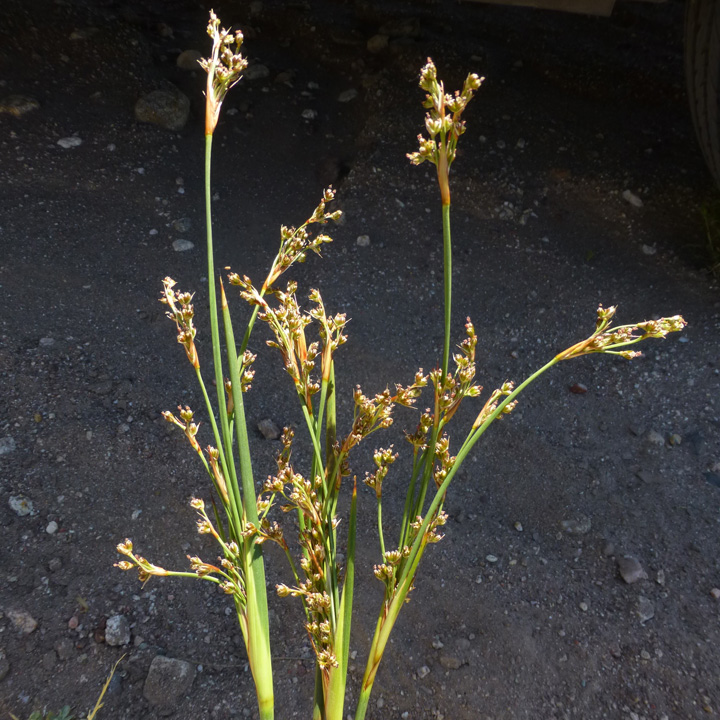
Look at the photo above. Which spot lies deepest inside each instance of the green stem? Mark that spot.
(225, 447)
(447, 262)
(380, 528)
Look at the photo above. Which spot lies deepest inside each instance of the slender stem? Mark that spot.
(447, 262)
(380, 532)
(225, 447)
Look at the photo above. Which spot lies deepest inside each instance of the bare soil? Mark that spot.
(515, 614)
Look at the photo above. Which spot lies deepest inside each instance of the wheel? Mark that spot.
(702, 68)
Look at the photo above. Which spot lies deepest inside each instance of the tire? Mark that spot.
(702, 68)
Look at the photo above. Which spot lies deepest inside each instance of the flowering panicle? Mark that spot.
(452, 389)
(295, 243)
(224, 68)
(186, 424)
(331, 332)
(383, 459)
(615, 341)
(491, 405)
(181, 312)
(443, 123)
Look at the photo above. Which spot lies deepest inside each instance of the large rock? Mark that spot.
(167, 681)
(167, 108)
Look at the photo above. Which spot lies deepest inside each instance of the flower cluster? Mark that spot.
(224, 68)
(615, 341)
(443, 123)
(181, 312)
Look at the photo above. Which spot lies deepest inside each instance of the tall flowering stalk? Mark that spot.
(308, 341)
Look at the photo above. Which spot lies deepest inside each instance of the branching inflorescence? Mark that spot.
(307, 341)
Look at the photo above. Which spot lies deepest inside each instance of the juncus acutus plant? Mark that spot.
(307, 338)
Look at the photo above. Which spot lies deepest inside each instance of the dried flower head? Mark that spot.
(443, 123)
(224, 68)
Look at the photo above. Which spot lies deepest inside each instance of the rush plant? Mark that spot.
(308, 340)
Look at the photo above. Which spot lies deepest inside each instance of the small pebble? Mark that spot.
(578, 389)
(491, 558)
(309, 114)
(7, 445)
(182, 245)
(630, 569)
(583, 606)
(70, 142)
(347, 95)
(645, 609)
(22, 621)
(655, 438)
(363, 240)
(182, 225)
(377, 43)
(580, 525)
(18, 105)
(423, 672)
(20, 505)
(633, 199)
(52, 528)
(47, 342)
(188, 60)
(117, 631)
(269, 429)
(518, 526)
(256, 72)
(649, 249)
(715, 592)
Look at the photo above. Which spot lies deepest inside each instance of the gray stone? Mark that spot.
(70, 142)
(630, 569)
(423, 672)
(256, 72)
(102, 388)
(64, 648)
(7, 445)
(577, 526)
(182, 245)
(645, 609)
(632, 198)
(49, 660)
(377, 43)
(347, 95)
(188, 60)
(22, 621)
(169, 109)
(269, 430)
(18, 105)
(655, 438)
(451, 662)
(182, 224)
(20, 505)
(117, 631)
(167, 681)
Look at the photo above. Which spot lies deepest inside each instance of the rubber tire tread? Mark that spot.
(702, 70)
